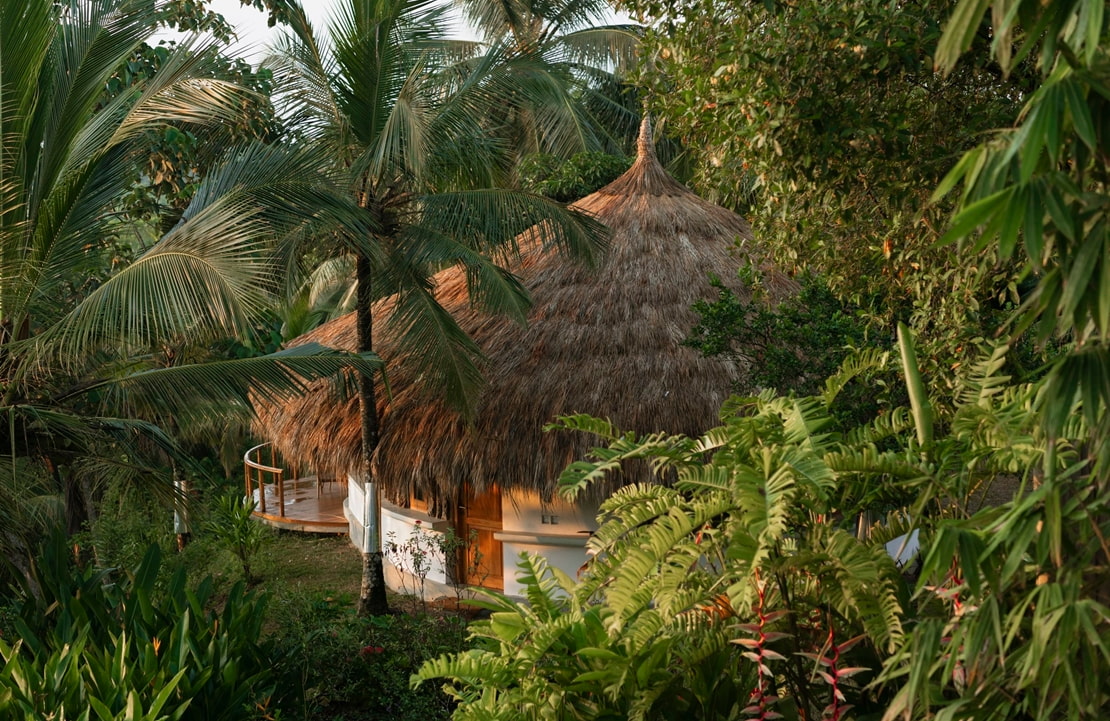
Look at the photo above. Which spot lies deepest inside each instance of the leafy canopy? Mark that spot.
(827, 125)
(386, 97)
(79, 391)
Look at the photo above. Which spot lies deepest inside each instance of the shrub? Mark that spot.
(793, 346)
(126, 648)
(738, 590)
(335, 664)
(233, 524)
(572, 179)
(416, 555)
(768, 556)
(122, 532)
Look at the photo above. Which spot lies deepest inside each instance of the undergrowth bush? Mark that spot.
(233, 527)
(779, 557)
(571, 179)
(130, 646)
(334, 664)
(125, 527)
(744, 589)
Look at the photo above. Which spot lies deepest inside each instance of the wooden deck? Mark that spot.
(310, 507)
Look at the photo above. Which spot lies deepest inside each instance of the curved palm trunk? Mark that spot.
(372, 599)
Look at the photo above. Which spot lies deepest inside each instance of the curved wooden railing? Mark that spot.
(259, 473)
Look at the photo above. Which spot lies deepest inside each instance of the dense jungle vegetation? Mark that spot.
(934, 170)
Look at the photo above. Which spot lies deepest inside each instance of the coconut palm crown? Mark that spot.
(386, 96)
(574, 66)
(76, 342)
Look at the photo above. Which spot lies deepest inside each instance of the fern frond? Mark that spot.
(859, 363)
(859, 581)
(891, 424)
(546, 596)
(869, 460)
(983, 382)
(630, 508)
(765, 498)
(659, 448)
(804, 419)
(469, 670)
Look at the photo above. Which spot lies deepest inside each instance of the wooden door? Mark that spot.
(479, 517)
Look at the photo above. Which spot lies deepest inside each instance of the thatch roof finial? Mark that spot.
(646, 176)
(645, 145)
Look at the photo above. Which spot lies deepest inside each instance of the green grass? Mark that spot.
(310, 564)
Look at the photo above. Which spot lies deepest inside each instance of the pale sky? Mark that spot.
(254, 36)
(250, 25)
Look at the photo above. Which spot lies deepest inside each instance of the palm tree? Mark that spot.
(386, 98)
(74, 353)
(579, 101)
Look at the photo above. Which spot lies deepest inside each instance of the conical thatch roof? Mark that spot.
(604, 341)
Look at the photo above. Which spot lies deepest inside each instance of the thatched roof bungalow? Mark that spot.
(606, 341)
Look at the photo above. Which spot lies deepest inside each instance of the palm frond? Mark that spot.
(663, 450)
(610, 46)
(26, 33)
(331, 286)
(378, 49)
(495, 221)
(984, 381)
(859, 584)
(189, 393)
(570, 15)
(430, 339)
(86, 51)
(303, 67)
(857, 364)
(213, 273)
(887, 425)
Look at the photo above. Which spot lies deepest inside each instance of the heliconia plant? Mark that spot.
(133, 647)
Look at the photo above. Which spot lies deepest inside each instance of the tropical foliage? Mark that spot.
(234, 527)
(91, 357)
(794, 346)
(571, 179)
(1008, 617)
(571, 94)
(776, 575)
(826, 124)
(771, 570)
(1028, 634)
(727, 593)
(333, 664)
(123, 648)
(415, 158)
(1043, 182)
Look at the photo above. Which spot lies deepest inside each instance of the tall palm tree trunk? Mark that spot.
(372, 600)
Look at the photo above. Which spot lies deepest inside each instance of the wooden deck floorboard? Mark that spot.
(308, 508)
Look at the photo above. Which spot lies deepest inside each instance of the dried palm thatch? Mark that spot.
(605, 341)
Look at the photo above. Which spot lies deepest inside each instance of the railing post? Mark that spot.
(281, 491)
(261, 492)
